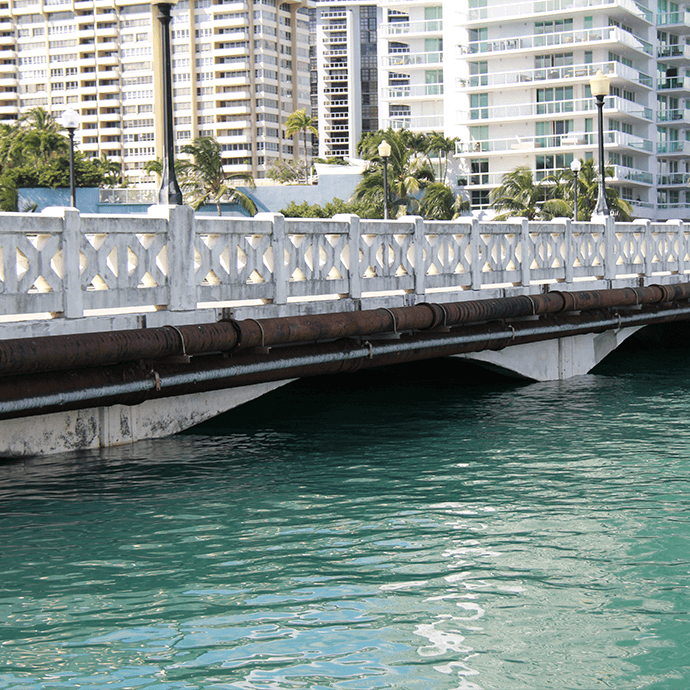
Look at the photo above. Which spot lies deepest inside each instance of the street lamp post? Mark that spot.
(575, 166)
(385, 152)
(70, 121)
(600, 89)
(169, 192)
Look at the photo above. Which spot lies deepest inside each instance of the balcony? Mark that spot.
(423, 124)
(631, 176)
(625, 9)
(677, 22)
(424, 91)
(397, 29)
(412, 59)
(618, 73)
(613, 105)
(673, 148)
(673, 53)
(681, 115)
(673, 179)
(571, 140)
(609, 35)
(673, 212)
(674, 84)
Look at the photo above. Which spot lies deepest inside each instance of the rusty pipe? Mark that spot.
(54, 353)
(130, 384)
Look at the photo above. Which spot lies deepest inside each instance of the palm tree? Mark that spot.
(112, 171)
(205, 180)
(297, 122)
(42, 136)
(518, 195)
(407, 174)
(442, 147)
(438, 202)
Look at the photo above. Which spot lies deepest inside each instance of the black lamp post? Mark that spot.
(169, 192)
(600, 89)
(70, 121)
(575, 166)
(385, 152)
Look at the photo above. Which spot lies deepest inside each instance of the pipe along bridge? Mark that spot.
(176, 376)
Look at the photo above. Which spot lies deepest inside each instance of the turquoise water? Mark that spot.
(424, 533)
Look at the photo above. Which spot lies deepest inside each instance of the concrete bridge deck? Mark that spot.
(62, 273)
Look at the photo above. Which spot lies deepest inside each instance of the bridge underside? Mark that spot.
(102, 427)
(553, 360)
(66, 393)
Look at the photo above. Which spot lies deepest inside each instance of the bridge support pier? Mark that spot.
(553, 360)
(101, 427)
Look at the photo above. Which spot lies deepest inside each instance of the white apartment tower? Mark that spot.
(416, 45)
(240, 67)
(524, 97)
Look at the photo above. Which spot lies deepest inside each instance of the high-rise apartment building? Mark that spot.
(345, 45)
(511, 80)
(240, 67)
(524, 96)
(412, 37)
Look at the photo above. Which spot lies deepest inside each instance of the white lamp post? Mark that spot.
(575, 166)
(385, 152)
(600, 84)
(70, 121)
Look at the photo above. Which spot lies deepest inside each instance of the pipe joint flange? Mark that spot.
(439, 312)
(568, 301)
(666, 294)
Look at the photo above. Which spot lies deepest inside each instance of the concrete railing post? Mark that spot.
(73, 300)
(475, 250)
(182, 287)
(419, 237)
(526, 254)
(278, 239)
(354, 238)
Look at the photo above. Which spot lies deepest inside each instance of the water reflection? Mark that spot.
(402, 533)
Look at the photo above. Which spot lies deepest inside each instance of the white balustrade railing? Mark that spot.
(67, 264)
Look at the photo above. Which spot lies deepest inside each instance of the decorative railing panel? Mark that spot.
(386, 255)
(64, 263)
(233, 259)
(31, 264)
(124, 260)
(317, 257)
(447, 253)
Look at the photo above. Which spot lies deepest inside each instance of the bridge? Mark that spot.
(116, 328)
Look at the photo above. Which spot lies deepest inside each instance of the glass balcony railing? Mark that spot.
(407, 28)
(411, 59)
(671, 52)
(682, 83)
(673, 147)
(675, 179)
(679, 18)
(613, 104)
(548, 7)
(680, 115)
(613, 139)
(614, 70)
(610, 34)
